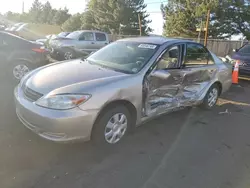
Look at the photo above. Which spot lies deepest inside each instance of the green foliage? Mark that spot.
(61, 16)
(116, 16)
(73, 23)
(183, 16)
(36, 11)
(229, 18)
(47, 13)
(112, 16)
(40, 13)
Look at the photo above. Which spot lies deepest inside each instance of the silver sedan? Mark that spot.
(119, 87)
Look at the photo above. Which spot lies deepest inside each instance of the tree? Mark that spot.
(116, 16)
(182, 17)
(88, 20)
(61, 16)
(11, 16)
(73, 23)
(47, 13)
(35, 11)
(231, 17)
(131, 27)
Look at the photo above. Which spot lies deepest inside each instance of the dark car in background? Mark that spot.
(18, 56)
(243, 56)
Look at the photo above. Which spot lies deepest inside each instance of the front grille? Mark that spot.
(30, 94)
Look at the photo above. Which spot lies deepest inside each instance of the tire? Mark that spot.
(17, 70)
(104, 126)
(68, 54)
(211, 97)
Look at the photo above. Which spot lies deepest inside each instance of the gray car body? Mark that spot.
(108, 87)
(83, 45)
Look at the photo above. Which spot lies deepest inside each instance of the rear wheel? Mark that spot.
(112, 126)
(211, 97)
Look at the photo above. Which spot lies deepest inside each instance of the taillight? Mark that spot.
(39, 50)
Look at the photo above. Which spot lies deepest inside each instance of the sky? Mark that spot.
(74, 6)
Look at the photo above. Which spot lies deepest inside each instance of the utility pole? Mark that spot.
(139, 21)
(201, 28)
(23, 7)
(207, 24)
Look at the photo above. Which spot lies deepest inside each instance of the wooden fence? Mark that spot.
(218, 46)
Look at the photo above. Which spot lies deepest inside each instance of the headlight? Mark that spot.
(62, 101)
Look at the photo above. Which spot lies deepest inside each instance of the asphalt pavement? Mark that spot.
(191, 148)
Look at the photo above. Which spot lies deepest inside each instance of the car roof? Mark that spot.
(95, 31)
(154, 40)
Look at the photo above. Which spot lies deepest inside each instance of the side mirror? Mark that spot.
(235, 50)
(161, 74)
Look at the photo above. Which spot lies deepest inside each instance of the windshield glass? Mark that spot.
(74, 35)
(245, 49)
(124, 56)
(63, 34)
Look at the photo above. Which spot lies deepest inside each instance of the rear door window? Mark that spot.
(87, 36)
(100, 37)
(196, 55)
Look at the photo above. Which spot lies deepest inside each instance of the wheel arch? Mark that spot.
(131, 108)
(219, 84)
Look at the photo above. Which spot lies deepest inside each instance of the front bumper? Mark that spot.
(55, 125)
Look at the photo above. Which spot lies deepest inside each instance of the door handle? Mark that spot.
(92, 43)
(105, 43)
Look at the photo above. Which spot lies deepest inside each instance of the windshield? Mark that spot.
(245, 49)
(63, 34)
(74, 35)
(124, 56)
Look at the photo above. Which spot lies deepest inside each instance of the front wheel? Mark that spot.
(18, 69)
(112, 126)
(211, 97)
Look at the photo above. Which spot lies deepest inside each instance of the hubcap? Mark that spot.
(212, 97)
(68, 55)
(19, 71)
(115, 128)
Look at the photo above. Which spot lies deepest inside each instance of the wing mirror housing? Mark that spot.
(235, 50)
(161, 74)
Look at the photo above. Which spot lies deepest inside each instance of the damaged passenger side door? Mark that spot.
(198, 70)
(162, 83)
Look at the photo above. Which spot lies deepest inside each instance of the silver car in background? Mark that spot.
(78, 42)
(119, 87)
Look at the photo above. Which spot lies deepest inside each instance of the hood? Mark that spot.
(71, 76)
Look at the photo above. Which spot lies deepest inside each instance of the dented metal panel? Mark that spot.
(183, 88)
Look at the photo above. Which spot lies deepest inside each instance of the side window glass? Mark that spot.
(196, 55)
(100, 37)
(87, 36)
(170, 59)
(210, 59)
